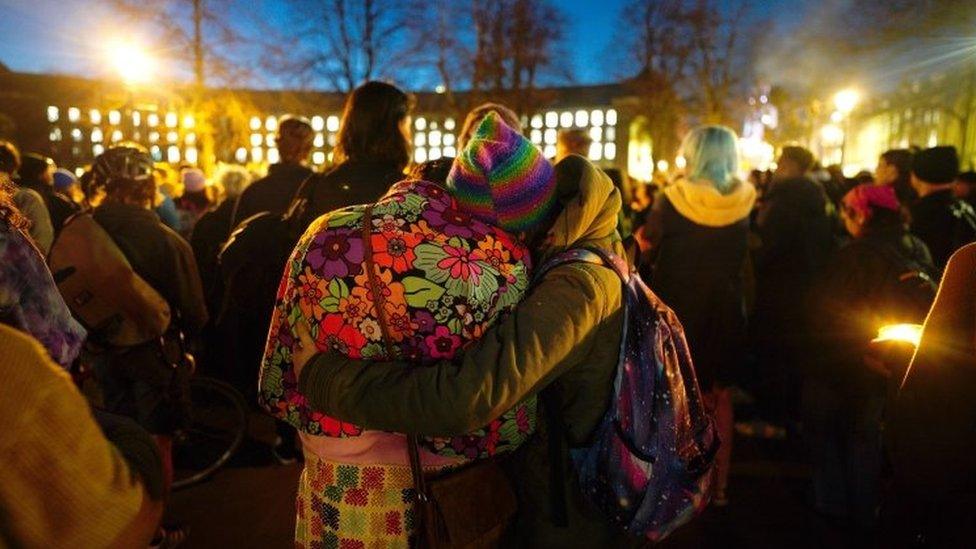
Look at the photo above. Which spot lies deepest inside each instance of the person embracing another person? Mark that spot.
(414, 277)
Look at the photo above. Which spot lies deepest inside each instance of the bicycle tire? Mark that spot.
(225, 398)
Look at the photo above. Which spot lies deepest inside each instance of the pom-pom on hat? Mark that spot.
(502, 179)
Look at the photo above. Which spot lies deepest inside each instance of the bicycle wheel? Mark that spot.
(216, 429)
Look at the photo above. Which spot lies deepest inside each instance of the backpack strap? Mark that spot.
(593, 255)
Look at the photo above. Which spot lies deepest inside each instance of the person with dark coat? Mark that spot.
(372, 150)
(796, 235)
(937, 216)
(843, 398)
(274, 192)
(699, 229)
(37, 174)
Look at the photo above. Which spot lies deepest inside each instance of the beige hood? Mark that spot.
(703, 204)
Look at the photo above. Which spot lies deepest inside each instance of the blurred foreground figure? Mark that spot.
(929, 435)
(62, 484)
(944, 222)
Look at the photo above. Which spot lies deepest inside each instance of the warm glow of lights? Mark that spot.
(240, 155)
(255, 123)
(332, 123)
(596, 151)
(906, 333)
(318, 123)
(131, 61)
(846, 100)
(611, 117)
(440, 88)
(189, 121)
(95, 116)
(52, 114)
(191, 155)
(171, 119)
(680, 162)
(318, 157)
(662, 165)
(832, 133)
(449, 124)
(420, 123)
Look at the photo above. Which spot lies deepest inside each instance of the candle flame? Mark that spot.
(908, 333)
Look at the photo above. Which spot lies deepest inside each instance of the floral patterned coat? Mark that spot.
(442, 278)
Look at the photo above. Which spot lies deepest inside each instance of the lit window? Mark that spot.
(609, 151)
(536, 137)
(98, 149)
(171, 123)
(173, 154)
(55, 134)
(596, 118)
(610, 133)
(255, 123)
(329, 156)
(191, 155)
(680, 162)
(95, 116)
(596, 151)
(595, 134)
(257, 154)
(550, 138)
(114, 117)
(96, 136)
(136, 118)
(582, 119)
(52, 114)
(448, 139)
(552, 119)
(74, 114)
(189, 122)
(79, 172)
(76, 134)
(420, 123)
(419, 139)
(152, 119)
(318, 157)
(435, 153)
(256, 139)
(273, 156)
(157, 153)
(566, 119)
(153, 137)
(317, 124)
(271, 123)
(611, 117)
(449, 124)
(549, 151)
(172, 137)
(116, 136)
(450, 151)
(269, 139)
(319, 140)
(434, 139)
(332, 124)
(190, 139)
(536, 121)
(420, 155)
(240, 155)
(432, 126)
(331, 140)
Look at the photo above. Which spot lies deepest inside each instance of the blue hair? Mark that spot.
(712, 154)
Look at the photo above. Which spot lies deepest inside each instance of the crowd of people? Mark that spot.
(781, 282)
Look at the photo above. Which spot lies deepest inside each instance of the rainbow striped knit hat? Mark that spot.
(502, 179)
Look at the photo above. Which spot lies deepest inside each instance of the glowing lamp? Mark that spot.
(906, 333)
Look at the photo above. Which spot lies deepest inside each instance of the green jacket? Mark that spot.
(564, 337)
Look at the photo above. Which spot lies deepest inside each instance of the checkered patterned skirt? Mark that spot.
(343, 506)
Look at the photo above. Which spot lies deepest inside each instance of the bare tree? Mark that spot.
(715, 65)
(440, 38)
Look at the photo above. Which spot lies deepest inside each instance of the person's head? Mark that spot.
(870, 207)
(125, 173)
(934, 169)
(477, 114)
(711, 154)
(9, 158)
(37, 169)
(233, 180)
(294, 139)
(965, 187)
(435, 171)
(572, 142)
(501, 178)
(193, 181)
(894, 165)
(66, 184)
(794, 161)
(9, 213)
(375, 126)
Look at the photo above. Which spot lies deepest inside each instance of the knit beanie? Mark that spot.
(864, 199)
(193, 180)
(63, 179)
(502, 179)
(936, 165)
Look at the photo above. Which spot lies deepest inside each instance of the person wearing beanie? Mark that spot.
(37, 174)
(862, 288)
(944, 222)
(562, 336)
(195, 200)
(66, 184)
(421, 273)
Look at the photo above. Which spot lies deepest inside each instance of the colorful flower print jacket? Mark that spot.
(444, 278)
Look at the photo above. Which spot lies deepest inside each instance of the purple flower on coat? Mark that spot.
(336, 253)
(446, 217)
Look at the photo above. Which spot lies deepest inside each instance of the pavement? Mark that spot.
(251, 503)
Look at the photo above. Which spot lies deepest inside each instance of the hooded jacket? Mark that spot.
(563, 337)
(701, 243)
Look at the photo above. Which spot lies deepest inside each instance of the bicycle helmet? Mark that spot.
(128, 161)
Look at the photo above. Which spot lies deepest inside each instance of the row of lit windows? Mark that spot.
(433, 139)
(578, 119)
(97, 135)
(152, 119)
(171, 153)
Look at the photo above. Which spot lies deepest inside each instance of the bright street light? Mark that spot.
(131, 61)
(845, 100)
